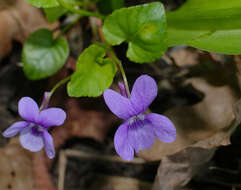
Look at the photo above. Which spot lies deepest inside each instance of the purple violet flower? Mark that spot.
(140, 129)
(33, 131)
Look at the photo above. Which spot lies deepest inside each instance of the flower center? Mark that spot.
(136, 119)
(36, 129)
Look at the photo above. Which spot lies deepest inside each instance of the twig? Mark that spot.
(231, 172)
(62, 168)
(82, 154)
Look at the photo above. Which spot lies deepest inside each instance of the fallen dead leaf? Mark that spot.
(15, 167)
(18, 19)
(185, 56)
(88, 123)
(119, 183)
(177, 170)
(6, 4)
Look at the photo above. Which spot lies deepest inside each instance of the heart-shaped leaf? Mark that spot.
(42, 55)
(143, 27)
(93, 74)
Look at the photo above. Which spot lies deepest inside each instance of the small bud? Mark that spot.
(45, 101)
(122, 89)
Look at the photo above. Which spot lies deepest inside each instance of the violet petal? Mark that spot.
(118, 104)
(51, 117)
(163, 127)
(31, 141)
(15, 128)
(49, 145)
(143, 93)
(28, 109)
(121, 143)
(141, 135)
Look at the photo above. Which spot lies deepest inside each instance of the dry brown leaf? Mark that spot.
(42, 176)
(15, 167)
(209, 119)
(185, 56)
(6, 4)
(17, 20)
(177, 170)
(87, 123)
(119, 183)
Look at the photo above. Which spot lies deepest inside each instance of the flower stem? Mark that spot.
(59, 84)
(118, 62)
(81, 11)
(112, 55)
(46, 101)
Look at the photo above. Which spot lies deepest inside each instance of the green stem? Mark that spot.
(81, 11)
(59, 84)
(45, 103)
(118, 62)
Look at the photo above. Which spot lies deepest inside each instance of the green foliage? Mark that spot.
(54, 3)
(209, 25)
(93, 74)
(42, 55)
(107, 6)
(72, 3)
(143, 27)
(54, 13)
(44, 3)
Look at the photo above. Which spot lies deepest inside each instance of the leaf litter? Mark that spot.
(213, 116)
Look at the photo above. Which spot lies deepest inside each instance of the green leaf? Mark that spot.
(54, 13)
(44, 3)
(143, 27)
(42, 55)
(209, 25)
(108, 6)
(73, 3)
(93, 74)
(55, 3)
